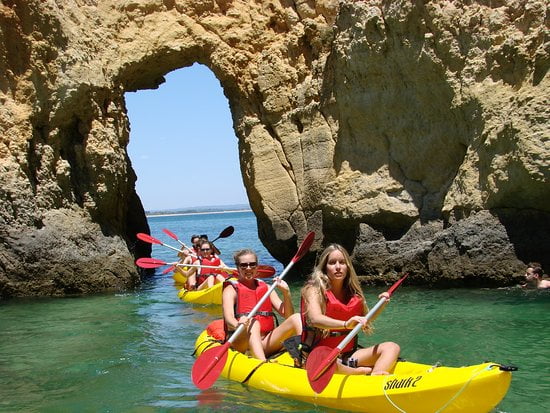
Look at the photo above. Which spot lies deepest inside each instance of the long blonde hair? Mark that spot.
(320, 282)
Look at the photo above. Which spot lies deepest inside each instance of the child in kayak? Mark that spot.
(240, 296)
(332, 304)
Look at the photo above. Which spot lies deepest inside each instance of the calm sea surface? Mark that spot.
(132, 352)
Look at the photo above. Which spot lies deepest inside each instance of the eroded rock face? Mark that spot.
(414, 134)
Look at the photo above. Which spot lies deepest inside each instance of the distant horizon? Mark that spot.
(199, 208)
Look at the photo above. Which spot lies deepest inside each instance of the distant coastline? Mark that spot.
(222, 209)
(175, 214)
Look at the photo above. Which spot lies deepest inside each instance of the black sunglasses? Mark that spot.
(248, 264)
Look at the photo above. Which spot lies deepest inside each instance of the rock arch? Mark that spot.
(403, 130)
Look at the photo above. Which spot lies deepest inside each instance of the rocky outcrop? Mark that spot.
(415, 133)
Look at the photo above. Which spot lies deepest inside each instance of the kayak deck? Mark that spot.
(411, 388)
(212, 295)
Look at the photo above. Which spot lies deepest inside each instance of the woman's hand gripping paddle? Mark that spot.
(209, 365)
(321, 362)
(264, 271)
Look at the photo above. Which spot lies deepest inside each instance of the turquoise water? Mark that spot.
(132, 352)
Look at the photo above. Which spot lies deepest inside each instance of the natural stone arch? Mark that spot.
(313, 157)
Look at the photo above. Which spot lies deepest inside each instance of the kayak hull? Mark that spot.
(413, 387)
(179, 278)
(212, 295)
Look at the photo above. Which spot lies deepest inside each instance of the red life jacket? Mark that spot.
(246, 300)
(204, 273)
(339, 311)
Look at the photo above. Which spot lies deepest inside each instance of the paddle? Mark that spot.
(152, 240)
(225, 233)
(174, 236)
(169, 269)
(264, 271)
(321, 362)
(209, 365)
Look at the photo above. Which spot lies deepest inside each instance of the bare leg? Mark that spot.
(209, 282)
(380, 357)
(340, 368)
(273, 341)
(255, 344)
(241, 342)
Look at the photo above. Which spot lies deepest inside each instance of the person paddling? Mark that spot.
(200, 278)
(332, 304)
(188, 255)
(240, 296)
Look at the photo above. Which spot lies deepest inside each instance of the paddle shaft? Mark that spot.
(206, 266)
(152, 240)
(178, 250)
(175, 249)
(358, 327)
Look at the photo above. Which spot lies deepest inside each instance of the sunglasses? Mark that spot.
(205, 249)
(248, 264)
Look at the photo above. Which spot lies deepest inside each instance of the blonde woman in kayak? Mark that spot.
(240, 296)
(332, 304)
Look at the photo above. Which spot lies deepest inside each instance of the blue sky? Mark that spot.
(182, 144)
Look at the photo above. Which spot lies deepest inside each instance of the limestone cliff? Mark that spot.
(415, 133)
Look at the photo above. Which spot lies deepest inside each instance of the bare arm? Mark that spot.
(284, 306)
(191, 275)
(315, 314)
(229, 296)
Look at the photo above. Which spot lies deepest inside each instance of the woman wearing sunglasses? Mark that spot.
(200, 278)
(240, 296)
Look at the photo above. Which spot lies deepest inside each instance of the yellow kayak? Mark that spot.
(411, 388)
(179, 278)
(212, 295)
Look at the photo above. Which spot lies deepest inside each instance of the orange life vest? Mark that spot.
(246, 300)
(339, 311)
(204, 273)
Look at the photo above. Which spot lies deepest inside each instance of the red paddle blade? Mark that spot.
(148, 238)
(265, 271)
(397, 284)
(170, 234)
(209, 365)
(169, 269)
(304, 246)
(320, 367)
(149, 263)
(233, 273)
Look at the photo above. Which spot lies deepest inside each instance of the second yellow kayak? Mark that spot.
(212, 295)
